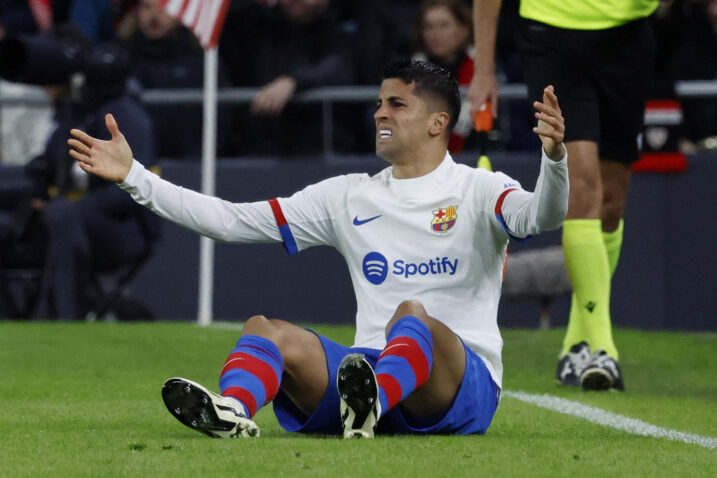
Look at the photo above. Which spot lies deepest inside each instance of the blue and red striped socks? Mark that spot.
(252, 373)
(405, 363)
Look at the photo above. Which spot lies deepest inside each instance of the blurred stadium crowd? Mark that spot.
(56, 220)
(287, 46)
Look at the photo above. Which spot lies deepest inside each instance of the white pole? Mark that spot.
(209, 135)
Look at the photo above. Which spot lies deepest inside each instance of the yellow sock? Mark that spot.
(613, 245)
(589, 271)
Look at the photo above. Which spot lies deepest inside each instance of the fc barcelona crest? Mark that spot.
(444, 219)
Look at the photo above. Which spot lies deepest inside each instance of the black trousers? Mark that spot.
(82, 239)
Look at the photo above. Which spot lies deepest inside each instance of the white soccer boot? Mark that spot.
(572, 364)
(602, 373)
(206, 411)
(358, 391)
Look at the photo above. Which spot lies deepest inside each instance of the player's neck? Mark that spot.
(417, 165)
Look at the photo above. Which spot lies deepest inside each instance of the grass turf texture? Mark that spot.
(82, 399)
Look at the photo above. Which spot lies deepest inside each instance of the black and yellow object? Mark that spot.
(483, 123)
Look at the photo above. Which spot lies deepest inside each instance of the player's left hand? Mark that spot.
(551, 124)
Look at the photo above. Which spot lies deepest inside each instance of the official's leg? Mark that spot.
(623, 82)
(586, 189)
(433, 397)
(615, 180)
(556, 56)
(602, 370)
(616, 177)
(583, 246)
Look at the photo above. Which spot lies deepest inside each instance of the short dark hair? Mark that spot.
(430, 80)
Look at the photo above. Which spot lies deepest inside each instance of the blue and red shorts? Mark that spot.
(472, 410)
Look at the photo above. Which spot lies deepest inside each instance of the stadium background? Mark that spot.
(664, 280)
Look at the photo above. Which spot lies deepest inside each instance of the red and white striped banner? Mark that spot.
(42, 13)
(204, 17)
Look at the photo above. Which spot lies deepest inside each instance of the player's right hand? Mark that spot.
(110, 160)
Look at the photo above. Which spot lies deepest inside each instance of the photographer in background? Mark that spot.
(88, 226)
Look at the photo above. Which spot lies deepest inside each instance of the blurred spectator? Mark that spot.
(100, 20)
(696, 59)
(285, 48)
(23, 128)
(165, 54)
(16, 17)
(443, 33)
(86, 225)
(371, 24)
(372, 27)
(401, 10)
(16, 144)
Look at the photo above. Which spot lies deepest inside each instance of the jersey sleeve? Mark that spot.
(501, 186)
(299, 221)
(306, 218)
(522, 213)
(210, 216)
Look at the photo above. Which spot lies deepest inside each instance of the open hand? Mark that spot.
(551, 124)
(110, 160)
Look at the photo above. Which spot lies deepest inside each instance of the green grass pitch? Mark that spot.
(79, 399)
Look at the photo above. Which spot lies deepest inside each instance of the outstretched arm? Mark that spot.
(109, 160)
(206, 215)
(544, 209)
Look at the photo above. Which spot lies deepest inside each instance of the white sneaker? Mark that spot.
(206, 411)
(602, 373)
(572, 364)
(358, 391)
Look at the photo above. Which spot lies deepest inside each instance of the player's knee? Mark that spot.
(277, 331)
(261, 326)
(409, 307)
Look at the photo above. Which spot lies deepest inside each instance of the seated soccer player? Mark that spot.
(425, 242)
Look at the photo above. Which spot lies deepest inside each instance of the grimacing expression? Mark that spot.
(402, 120)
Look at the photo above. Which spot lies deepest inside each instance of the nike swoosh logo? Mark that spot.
(358, 222)
(394, 345)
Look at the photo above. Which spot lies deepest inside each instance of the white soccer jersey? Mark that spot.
(439, 239)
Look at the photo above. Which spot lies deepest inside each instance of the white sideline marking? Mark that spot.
(608, 419)
(227, 325)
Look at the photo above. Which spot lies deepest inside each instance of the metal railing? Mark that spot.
(327, 96)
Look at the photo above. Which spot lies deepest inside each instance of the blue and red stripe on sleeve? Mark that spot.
(499, 216)
(284, 229)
